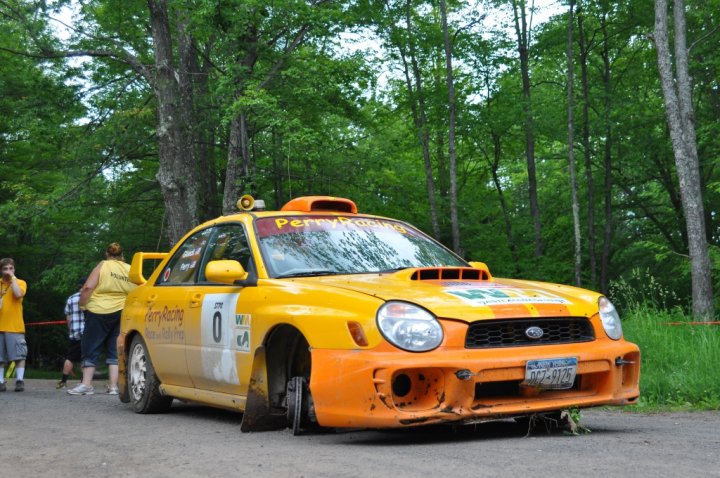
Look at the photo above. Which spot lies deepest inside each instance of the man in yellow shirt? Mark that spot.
(12, 326)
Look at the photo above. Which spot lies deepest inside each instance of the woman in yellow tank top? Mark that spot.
(103, 298)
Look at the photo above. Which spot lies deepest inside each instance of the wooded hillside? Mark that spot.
(133, 120)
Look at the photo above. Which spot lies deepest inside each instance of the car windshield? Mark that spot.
(295, 246)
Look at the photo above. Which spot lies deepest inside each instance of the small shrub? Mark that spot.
(640, 290)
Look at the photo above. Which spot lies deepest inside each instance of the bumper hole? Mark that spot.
(401, 385)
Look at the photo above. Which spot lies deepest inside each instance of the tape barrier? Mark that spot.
(692, 323)
(55, 322)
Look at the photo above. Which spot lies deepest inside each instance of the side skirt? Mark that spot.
(234, 403)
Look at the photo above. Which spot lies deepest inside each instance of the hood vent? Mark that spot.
(463, 274)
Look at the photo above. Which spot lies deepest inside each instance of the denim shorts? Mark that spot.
(101, 331)
(12, 346)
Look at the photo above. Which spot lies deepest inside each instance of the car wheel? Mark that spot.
(297, 404)
(143, 384)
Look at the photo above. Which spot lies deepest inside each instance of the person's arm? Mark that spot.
(89, 286)
(18, 292)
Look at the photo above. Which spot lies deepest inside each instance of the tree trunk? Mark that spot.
(175, 173)
(210, 203)
(607, 159)
(239, 137)
(237, 171)
(497, 154)
(238, 158)
(451, 131)
(584, 51)
(571, 149)
(417, 105)
(677, 91)
(521, 30)
(277, 157)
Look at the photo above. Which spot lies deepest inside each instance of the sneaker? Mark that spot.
(81, 389)
(19, 385)
(60, 385)
(3, 387)
(112, 390)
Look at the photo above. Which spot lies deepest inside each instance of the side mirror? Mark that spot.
(483, 267)
(136, 267)
(225, 272)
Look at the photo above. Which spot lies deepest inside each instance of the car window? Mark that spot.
(229, 242)
(184, 263)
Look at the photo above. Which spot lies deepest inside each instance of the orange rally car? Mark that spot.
(318, 316)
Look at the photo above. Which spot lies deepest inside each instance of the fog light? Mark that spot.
(401, 385)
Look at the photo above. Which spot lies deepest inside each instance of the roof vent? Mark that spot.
(320, 203)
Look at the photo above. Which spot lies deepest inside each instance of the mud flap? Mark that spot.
(257, 416)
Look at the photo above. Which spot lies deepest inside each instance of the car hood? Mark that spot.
(474, 299)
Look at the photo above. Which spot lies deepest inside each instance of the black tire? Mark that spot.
(143, 384)
(297, 405)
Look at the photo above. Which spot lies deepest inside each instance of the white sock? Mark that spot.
(2, 374)
(19, 373)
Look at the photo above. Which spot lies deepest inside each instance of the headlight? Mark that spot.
(610, 318)
(409, 327)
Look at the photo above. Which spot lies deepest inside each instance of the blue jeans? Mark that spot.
(100, 329)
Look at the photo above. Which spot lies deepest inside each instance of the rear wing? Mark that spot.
(136, 267)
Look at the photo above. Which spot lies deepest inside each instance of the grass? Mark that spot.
(680, 366)
(56, 374)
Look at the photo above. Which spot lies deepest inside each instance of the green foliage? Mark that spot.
(641, 289)
(79, 154)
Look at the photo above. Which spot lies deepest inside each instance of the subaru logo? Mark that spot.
(534, 333)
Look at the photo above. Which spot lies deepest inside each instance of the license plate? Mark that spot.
(556, 373)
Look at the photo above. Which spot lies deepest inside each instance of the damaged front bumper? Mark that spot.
(388, 388)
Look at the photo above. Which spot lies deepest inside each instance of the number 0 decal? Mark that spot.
(217, 342)
(217, 327)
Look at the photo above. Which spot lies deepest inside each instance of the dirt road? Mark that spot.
(45, 432)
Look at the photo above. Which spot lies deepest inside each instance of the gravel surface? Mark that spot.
(46, 432)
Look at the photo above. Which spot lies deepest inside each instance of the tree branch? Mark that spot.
(704, 37)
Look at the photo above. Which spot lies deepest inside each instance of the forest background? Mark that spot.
(134, 120)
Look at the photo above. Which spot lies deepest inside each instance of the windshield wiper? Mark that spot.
(394, 269)
(320, 272)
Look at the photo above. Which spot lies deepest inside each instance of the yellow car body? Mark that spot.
(316, 315)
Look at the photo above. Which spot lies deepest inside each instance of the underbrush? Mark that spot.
(680, 360)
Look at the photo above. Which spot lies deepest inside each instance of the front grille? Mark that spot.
(511, 333)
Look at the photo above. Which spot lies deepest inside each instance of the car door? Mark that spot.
(169, 305)
(217, 336)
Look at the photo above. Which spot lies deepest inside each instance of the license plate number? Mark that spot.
(556, 373)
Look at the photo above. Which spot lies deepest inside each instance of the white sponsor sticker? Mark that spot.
(218, 337)
(484, 296)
